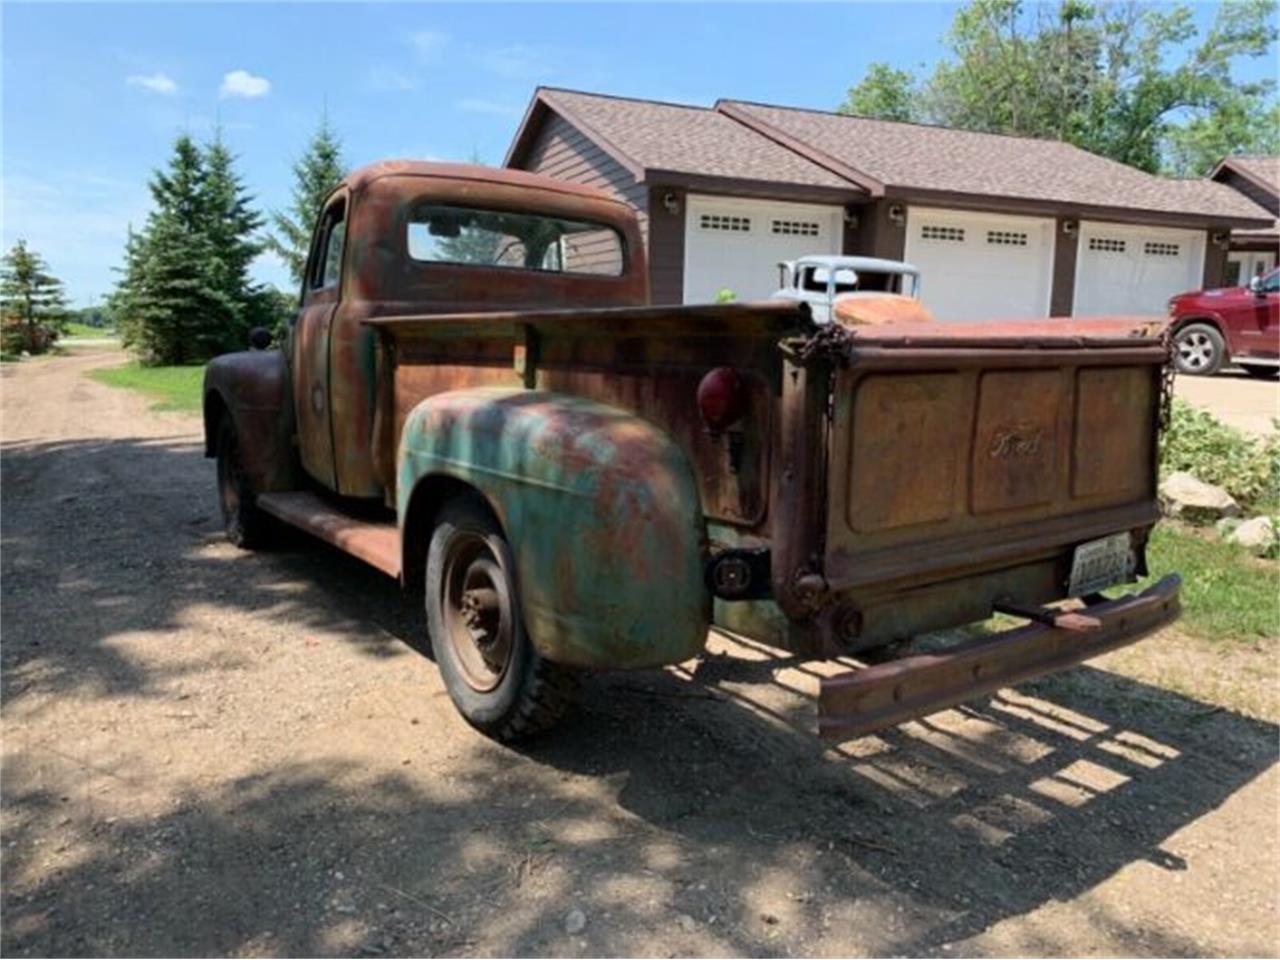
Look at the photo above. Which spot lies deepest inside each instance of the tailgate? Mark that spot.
(960, 449)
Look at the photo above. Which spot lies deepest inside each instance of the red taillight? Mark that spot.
(722, 398)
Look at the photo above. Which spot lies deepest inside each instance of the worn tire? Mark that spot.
(1199, 350)
(494, 677)
(1260, 373)
(246, 526)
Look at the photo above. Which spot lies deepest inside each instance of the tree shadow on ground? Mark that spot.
(668, 793)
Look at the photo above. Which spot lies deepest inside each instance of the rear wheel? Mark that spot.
(1198, 349)
(246, 526)
(1262, 373)
(494, 676)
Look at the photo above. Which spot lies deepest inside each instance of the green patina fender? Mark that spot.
(601, 509)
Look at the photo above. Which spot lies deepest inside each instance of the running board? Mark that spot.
(377, 544)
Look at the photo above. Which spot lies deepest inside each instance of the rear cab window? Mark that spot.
(470, 236)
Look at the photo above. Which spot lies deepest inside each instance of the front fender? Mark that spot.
(601, 509)
(252, 388)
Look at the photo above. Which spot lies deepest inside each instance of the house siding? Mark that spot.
(666, 245)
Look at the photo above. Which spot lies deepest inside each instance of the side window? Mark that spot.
(1271, 284)
(333, 254)
(326, 265)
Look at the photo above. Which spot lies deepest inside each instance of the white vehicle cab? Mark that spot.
(858, 289)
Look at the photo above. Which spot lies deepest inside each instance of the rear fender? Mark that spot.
(601, 509)
(252, 388)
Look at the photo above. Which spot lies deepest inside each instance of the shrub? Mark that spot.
(1246, 467)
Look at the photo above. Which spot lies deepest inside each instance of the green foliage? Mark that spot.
(1132, 82)
(885, 94)
(725, 295)
(316, 173)
(185, 293)
(1246, 467)
(1226, 594)
(173, 388)
(33, 307)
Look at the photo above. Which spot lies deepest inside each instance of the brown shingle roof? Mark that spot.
(1265, 170)
(692, 140)
(920, 157)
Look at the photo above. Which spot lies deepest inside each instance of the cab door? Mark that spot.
(321, 295)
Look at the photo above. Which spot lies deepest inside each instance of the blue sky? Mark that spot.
(93, 94)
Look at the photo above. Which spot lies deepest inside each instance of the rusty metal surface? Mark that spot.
(886, 308)
(335, 353)
(252, 387)
(377, 544)
(881, 696)
(600, 508)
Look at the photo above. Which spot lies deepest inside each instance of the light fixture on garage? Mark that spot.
(1221, 239)
(671, 202)
(897, 215)
(1069, 227)
(850, 218)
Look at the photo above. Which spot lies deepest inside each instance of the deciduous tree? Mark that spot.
(1134, 82)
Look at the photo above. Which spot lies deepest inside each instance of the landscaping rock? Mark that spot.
(1186, 496)
(1257, 535)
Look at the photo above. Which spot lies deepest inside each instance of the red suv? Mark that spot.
(1237, 324)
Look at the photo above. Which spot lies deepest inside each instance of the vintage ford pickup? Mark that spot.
(476, 396)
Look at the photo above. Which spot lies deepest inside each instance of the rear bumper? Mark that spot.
(863, 701)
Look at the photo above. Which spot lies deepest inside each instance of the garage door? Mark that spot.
(737, 244)
(1128, 269)
(980, 266)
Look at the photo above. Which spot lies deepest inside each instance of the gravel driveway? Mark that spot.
(210, 752)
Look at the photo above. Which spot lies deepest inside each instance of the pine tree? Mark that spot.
(316, 173)
(32, 302)
(231, 225)
(175, 302)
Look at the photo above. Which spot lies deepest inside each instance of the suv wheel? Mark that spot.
(1198, 349)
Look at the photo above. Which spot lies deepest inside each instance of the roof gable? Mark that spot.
(649, 138)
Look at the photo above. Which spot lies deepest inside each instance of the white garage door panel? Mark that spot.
(737, 244)
(981, 266)
(1127, 269)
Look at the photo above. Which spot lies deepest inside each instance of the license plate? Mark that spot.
(1099, 564)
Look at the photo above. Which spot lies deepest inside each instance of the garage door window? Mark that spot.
(725, 222)
(1154, 249)
(1106, 244)
(795, 228)
(931, 231)
(1007, 238)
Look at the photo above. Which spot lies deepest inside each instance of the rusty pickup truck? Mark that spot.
(476, 396)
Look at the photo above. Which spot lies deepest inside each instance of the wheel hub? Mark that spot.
(477, 610)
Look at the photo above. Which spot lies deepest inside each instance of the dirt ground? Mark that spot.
(210, 752)
(1236, 398)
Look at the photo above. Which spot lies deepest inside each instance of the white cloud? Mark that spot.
(520, 61)
(155, 82)
(488, 106)
(242, 83)
(382, 79)
(428, 42)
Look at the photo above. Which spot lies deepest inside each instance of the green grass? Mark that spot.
(1226, 593)
(173, 388)
(74, 331)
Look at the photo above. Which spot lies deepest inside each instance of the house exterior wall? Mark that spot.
(875, 235)
(666, 245)
(1066, 250)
